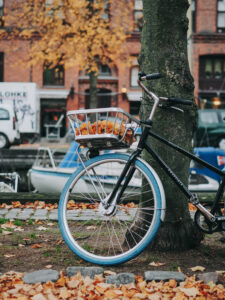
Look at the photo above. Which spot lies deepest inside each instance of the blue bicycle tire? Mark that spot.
(112, 259)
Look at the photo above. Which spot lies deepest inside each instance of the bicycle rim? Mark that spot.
(119, 233)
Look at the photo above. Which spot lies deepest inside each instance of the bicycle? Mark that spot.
(109, 228)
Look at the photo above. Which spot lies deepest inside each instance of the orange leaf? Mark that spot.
(61, 281)
(35, 246)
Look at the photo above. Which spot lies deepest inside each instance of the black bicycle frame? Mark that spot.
(129, 170)
(180, 184)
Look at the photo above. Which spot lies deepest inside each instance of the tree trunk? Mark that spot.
(164, 50)
(93, 90)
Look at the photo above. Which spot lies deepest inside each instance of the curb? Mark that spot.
(43, 276)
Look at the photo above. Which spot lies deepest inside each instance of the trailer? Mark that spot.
(25, 98)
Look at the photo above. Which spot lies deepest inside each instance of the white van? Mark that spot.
(9, 132)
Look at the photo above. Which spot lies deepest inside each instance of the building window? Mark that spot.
(135, 107)
(1, 12)
(211, 72)
(138, 15)
(53, 76)
(221, 16)
(1, 66)
(104, 70)
(134, 76)
(212, 67)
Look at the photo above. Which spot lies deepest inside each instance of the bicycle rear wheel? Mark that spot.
(119, 233)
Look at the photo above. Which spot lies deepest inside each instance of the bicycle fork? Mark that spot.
(127, 173)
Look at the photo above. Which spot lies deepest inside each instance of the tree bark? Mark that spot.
(164, 50)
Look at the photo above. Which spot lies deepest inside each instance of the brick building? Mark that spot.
(207, 47)
(61, 90)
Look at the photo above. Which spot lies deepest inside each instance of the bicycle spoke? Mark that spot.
(100, 232)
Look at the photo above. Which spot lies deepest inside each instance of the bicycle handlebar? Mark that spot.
(170, 100)
(173, 100)
(143, 76)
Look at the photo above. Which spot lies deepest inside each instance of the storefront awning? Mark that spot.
(134, 96)
(53, 93)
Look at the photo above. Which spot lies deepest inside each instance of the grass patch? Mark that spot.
(174, 267)
(3, 220)
(18, 223)
(30, 222)
(32, 235)
(47, 254)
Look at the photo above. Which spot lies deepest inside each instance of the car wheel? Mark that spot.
(221, 143)
(3, 141)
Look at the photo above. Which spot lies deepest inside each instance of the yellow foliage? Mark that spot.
(74, 32)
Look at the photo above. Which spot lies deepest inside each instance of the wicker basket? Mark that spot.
(103, 128)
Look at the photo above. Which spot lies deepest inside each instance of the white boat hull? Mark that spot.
(49, 180)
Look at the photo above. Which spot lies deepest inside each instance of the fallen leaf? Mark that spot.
(64, 294)
(91, 227)
(198, 268)
(59, 242)
(108, 272)
(5, 232)
(61, 282)
(72, 283)
(190, 292)
(48, 266)
(156, 264)
(18, 229)
(220, 272)
(172, 283)
(42, 228)
(38, 297)
(8, 255)
(112, 294)
(8, 225)
(35, 246)
(50, 224)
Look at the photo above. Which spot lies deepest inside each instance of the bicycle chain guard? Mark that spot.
(204, 224)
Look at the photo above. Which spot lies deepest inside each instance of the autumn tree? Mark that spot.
(164, 50)
(72, 33)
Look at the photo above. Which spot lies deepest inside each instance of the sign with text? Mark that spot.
(24, 98)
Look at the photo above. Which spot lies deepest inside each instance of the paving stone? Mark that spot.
(41, 276)
(12, 213)
(163, 275)
(40, 214)
(3, 211)
(209, 276)
(121, 278)
(53, 214)
(25, 214)
(85, 271)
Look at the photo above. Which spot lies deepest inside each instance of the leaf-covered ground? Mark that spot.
(77, 287)
(33, 245)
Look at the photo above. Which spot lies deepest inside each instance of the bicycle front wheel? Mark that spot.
(108, 236)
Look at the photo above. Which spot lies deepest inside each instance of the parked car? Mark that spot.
(211, 155)
(9, 130)
(211, 128)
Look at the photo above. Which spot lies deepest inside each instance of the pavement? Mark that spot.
(46, 214)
